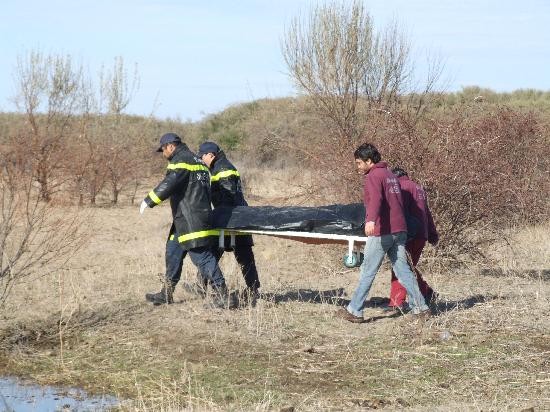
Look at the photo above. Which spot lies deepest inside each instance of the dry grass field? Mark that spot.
(88, 325)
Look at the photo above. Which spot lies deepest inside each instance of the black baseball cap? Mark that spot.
(168, 138)
(208, 147)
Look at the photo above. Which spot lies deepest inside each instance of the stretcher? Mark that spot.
(331, 224)
(353, 257)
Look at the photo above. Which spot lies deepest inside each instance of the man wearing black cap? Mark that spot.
(227, 191)
(187, 184)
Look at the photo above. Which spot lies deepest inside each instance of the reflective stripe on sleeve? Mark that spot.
(187, 166)
(154, 197)
(225, 173)
(195, 235)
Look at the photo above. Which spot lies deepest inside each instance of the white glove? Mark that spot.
(143, 207)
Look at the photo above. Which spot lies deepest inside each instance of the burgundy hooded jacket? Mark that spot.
(415, 202)
(383, 201)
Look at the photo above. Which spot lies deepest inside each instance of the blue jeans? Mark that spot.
(202, 257)
(375, 249)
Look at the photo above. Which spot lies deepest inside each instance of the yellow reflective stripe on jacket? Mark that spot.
(171, 237)
(196, 235)
(225, 173)
(154, 197)
(187, 166)
(229, 233)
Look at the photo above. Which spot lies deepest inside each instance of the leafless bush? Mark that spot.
(484, 171)
(356, 78)
(76, 137)
(34, 238)
(121, 156)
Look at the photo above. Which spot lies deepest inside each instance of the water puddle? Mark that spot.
(16, 396)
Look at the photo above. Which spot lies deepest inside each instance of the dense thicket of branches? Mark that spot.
(485, 168)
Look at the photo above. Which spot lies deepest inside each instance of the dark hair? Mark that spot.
(367, 151)
(398, 171)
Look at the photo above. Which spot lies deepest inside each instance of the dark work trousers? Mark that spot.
(398, 293)
(202, 257)
(245, 259)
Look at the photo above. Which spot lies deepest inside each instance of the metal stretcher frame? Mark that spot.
(352, 259)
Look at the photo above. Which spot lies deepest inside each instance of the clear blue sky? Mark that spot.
(196, 57)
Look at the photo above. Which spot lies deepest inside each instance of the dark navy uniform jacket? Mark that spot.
(227, 191)
(187, 184)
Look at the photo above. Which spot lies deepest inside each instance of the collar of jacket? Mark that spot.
(220, 155)
(179, 148)
(379, 165)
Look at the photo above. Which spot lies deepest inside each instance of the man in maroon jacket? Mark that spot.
(415, 203)
(386, 228)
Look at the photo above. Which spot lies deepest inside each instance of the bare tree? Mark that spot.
(50, 93)
(116, 88)
(80, 146)
(119, 160)
(348, 69)
(101, 151)
(34, 238)
(96, 175)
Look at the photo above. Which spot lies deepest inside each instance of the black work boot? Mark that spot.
(220, 299)
(194, 289)
(248, 297)
(197, 288)
(165, 296)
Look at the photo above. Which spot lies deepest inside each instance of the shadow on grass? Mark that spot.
(437, 308)
(442, 306)
(333, 296)
(542, 274)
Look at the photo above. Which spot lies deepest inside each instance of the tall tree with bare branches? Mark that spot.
(117, 90)
(348, 69)
(359, 80)
(50, 91)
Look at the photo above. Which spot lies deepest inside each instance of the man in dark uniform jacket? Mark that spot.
(226, 191)
(187, 184)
